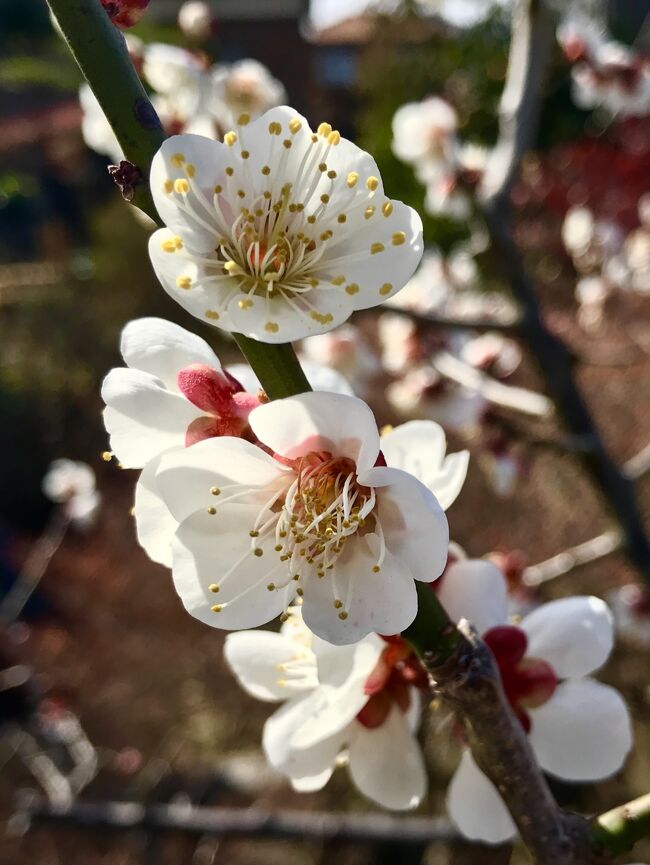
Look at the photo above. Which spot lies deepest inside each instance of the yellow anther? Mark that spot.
(271, 587)
(353, 288)
(311, 220)
(267, 195)
(218, 189)
(386, 288)
(331, 174)
(271, 327)
(341, 218)
(343, 615)
(300, 593)
(352, 179)
(321, 318)
(278, 548)
(387, 208)
(168, 186)
(324, 129)
(326, 235)
(241, 193)
(338, 280)
(295, 125)
(107, 456)
(398, 238)
(232, 267)
(287, 143)
(258, 552)
(177, 159)
(254, 533)
(181, 186)
(243, 119)
(376, 247)
(322, 167)
(230, 138)
(212, 510)
(184, 282)
(217, 608)
(212, 314)
(334, 137)
(245, 154)
(325, 198)
(215, 491)
(369, 211)
(275, 128)
(190, 169)
(230, 171)
(372, 183)
(376, 569)
(338, 604)
(214, 588)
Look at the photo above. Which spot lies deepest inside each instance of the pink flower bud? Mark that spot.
(125, 13)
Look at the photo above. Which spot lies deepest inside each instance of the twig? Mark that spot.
(248, 822)
(520, 107)
(35, 566)
(618, 830)
(439, 320)
(518, 398)
(574, 557)
(638, 465)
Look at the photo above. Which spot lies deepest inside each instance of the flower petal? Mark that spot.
(475, 807)
(186, 478)
(195, 282)
(583, 733)
(257, 659)
(418, 447)
(474, 589)
(155, 525)
(386, 763)
(414, 525)
(299, 763)
(142, 417)
(282, 318)
(185, 214)
(217, 575)
(299, 424)
(383, 601)
(575, 635)
(162, 349)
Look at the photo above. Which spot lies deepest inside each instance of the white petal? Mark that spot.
(278, 319)
(256, 658)
(209, 159)
(142, 417)
(162, 348)
(311, 783)
(474, 589)
(386, 763)
(575, 635)
(418, 447)
(217, 550)
(299, 763)
(583, 733)
(342, 674)
(186, 477)
(384, 602)
(475, 807)
(154, 523)
(189, 280)
(297, 425)
(414, 524)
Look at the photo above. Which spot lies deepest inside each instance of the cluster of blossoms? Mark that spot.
(189, 95)
(425, 136)
(298, 507)
(605, 73)
(606, 258)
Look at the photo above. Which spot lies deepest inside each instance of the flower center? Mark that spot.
(528, 682)
(397, 670)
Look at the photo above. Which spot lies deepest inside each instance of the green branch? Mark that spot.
(100, 51)
(618, 830)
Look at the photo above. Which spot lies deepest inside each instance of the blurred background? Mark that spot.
(108, 688)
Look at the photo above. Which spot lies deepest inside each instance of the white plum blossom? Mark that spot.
(579, 729)
(72, 485)
(419, 448)
(360, 701)
(196, 19)
(492, 352)
(345, 350)
(311, 511)
(424, 133)
(171, 394)
(245, 87)
(278, 232)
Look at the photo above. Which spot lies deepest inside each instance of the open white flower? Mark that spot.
(71, 484)
(363, 698)
(314, 512)
(171, 394)
(424, 133)
(418, 447)
(579, 729)
(246, 87)
(278, 232)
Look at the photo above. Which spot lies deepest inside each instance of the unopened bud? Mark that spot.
(125, 13)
